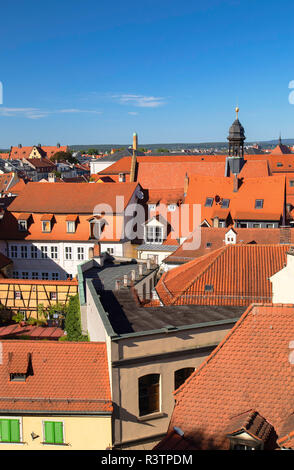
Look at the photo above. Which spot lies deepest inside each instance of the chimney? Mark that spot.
(140, 269)
(134, 159)
(148, 263)
(135, 141)
(125, 280)
(186, 184)
(19, 146)
(51, 178)
(117, 285)
(97, 250)
(235, 183)
(58, 145)
(133, 275)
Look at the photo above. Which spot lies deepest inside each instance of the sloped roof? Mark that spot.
(24, 152)
(250, 369)
(66, 377)
(238, 274)
(73, 198)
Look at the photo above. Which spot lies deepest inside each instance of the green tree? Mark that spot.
(73, 324)
(63, 157)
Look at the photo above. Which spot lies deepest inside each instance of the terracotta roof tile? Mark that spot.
(250, 369)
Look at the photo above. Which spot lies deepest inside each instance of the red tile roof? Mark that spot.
(238, 274)
(47, 151)
(215, 237)
(65, 377)
(70, 198)
(34, 332)
(250, 369)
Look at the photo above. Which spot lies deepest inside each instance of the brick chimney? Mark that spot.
(97, 250)
(235, 183)
(135, 141)
(186, 184)
(134, 159)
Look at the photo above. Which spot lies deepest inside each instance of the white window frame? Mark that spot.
(22, 225)
(68, 253)
(44, 225)
(54, 252)
(70, 226)
(155, 239)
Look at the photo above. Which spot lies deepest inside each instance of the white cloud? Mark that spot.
(36, 113)
(133, 113)
(140, 100)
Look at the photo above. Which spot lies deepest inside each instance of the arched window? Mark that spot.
(149, 394)
(181, 375)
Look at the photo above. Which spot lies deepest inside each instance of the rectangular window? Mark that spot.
(151, 207)
(270, 226)
(208, 202)
(46, 226)
(80, 253)
(35, 275)
(68, 252)
(110, 251)
(154, 235)
(256, 225)
(55, 276)
(54, 252)
(9, 430)
(71, 226)
(53, 296)
(44, 250)
(171, 207)
(17, 295)
(291, 183)
(15, 274)
(25, 275)
(45, 276)
(22, 225)
(13, 251)
(34, 252)
(24, 251)
(53, 432)
(259, 204)
(208, 288)
(225, 203)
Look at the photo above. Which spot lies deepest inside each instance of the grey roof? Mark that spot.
(126, 316)
(106, 276)
(114, 157)
(157, 247)
(236, 131)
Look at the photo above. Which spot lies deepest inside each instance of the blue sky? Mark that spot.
(90, 72)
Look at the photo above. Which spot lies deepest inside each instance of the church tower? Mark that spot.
(236, 145)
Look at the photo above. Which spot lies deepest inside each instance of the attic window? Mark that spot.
(209, 201)
(258, 203)
(70, 226)
(121, 177)
(225, 203)
(46, 226)
(291, 183)
(18, 377)
(22, 225)
(208, 288)
(208, 244)
(171, 207)
(279, 164)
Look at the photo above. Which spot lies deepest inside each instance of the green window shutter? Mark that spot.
(58, 428)
(5, 430)
(49, 432)
(14, 430)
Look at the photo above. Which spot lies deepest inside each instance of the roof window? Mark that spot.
(258, 203)
(209, 201)
(208, 288)
(225, 203)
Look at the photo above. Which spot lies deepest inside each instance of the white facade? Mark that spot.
(47, 260)
(283, 282)
(96, 166)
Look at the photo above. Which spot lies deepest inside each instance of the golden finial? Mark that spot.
(237, 110)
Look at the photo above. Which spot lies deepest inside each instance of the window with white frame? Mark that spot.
(80, 253)
(171, 207)
(22, 225)
(110, 251)
(53, 295)
(17, 295)
(24, 251)
(54, 252)
(153, 234)
(44, 250)
(70, 226)
(13, 251)
(34, 252)
(46, 226)
(68, 252)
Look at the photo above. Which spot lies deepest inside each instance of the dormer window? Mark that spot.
(171, 207)
(70, 227)
(121, 177)
(209, 202)
(18, 377)
(22, 225)
(23, 222)
(208, 288)
(225, 203)
(46, 220)
(258, 203)
(153, 234)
